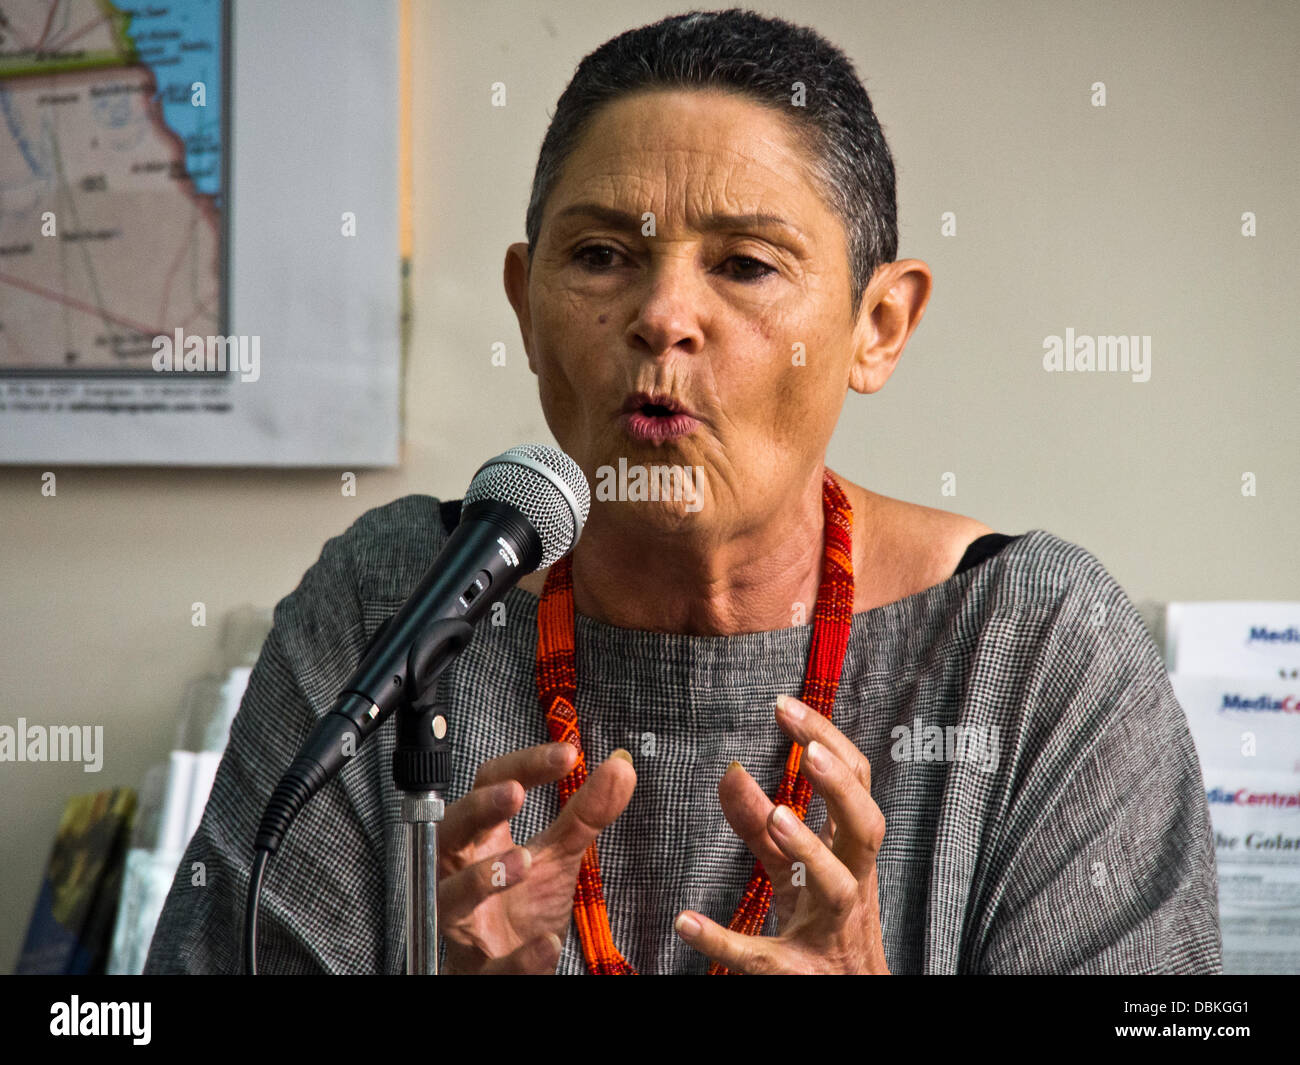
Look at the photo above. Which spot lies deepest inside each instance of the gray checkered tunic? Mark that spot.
(1083, 847)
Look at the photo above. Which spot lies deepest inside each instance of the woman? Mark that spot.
(983, 768)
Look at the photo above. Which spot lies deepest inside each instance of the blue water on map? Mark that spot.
(181, 42)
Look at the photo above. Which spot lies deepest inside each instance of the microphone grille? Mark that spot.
(545, 485)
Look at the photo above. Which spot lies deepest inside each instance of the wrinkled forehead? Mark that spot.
(689, 156)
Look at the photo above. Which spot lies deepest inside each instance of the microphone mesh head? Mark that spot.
(545, 485)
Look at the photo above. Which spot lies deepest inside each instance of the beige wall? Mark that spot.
(1123, 219)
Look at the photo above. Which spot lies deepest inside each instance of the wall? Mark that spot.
(1123, 219)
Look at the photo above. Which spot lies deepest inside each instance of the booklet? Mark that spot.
(1247, 734)
(72, 922)
(1233, 638)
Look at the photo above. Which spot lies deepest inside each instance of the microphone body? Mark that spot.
(492, 547)
(489, 550)
(524, 509)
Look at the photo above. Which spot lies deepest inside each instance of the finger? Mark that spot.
(804, 724)
(498, 791)
(861, 825)
(477, 813)
(537, 957)
(594, 806)
(859, 846)
(461, 893)
(747, 809)
(834, 886)
(827, 834)
(756, 955)
(531, 766)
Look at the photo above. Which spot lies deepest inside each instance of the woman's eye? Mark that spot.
(749, 265)
(601, 257)
(584, 255)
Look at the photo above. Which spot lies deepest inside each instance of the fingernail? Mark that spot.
(517, 864)
(792, 707)
(687, 925)
(556, 945)
(784, 819)
(621, 753)
(734, 765)
(817, 755)
(510, 870)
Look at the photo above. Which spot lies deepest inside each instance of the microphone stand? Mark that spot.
(422, 773)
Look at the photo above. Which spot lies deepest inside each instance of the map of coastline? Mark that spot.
(111, 196)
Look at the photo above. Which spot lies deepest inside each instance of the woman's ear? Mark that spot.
(890, 311)
(516, 282)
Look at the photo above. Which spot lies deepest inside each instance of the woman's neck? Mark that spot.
(706, 579)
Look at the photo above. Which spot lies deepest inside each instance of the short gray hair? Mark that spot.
(762, 59)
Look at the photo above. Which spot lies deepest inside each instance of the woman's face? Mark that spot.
(745, 322)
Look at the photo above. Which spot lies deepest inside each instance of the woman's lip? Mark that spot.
(655, 430)
(638, 400)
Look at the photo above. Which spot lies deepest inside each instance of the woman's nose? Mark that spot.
(671, 308)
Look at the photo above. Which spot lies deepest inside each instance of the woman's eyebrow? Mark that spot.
(617, 219)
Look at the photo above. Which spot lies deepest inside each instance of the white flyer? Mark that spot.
(1233, 638)
(1247, 734)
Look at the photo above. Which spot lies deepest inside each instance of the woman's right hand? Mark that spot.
(504, 908)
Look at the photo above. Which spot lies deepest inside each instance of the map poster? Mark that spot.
(111, 231)
(199, 255)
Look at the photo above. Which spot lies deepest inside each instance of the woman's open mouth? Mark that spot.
(654, 419)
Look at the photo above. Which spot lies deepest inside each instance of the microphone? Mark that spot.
(524, 509)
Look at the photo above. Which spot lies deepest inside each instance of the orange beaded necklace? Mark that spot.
(557, 691)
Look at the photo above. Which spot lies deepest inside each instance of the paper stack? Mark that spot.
(1235, 668)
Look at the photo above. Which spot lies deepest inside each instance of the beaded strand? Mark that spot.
(556, 676)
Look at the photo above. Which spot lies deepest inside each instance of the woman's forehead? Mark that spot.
(711, 160)
(684, 129)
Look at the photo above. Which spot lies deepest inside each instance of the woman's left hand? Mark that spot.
(824, 887)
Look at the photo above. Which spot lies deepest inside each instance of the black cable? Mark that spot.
(250, 912)
(300, 782)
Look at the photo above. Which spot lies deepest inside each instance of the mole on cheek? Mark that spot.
(601, 319)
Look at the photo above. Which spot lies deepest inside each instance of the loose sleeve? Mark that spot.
(321, 905)
(1105, 861)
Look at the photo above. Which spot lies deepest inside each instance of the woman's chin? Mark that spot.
(664, 486)
(665, 515)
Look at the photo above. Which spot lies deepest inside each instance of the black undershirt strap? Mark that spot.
(985, 547)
